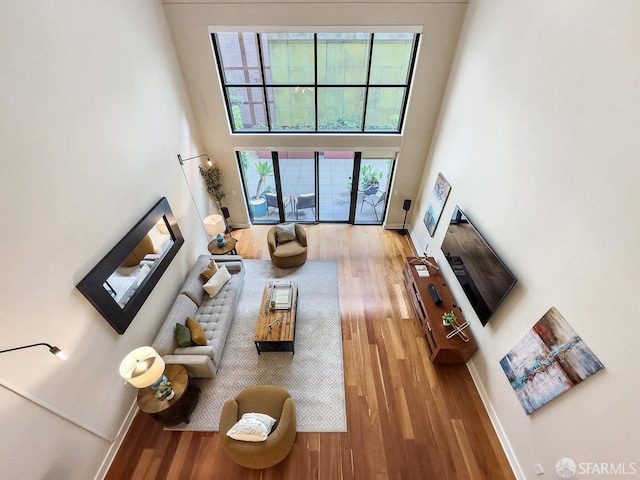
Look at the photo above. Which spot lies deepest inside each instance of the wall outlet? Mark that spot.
(538, 469)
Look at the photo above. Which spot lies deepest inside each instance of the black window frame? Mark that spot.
(315, 86)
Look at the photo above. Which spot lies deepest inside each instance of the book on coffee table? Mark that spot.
(281, 295)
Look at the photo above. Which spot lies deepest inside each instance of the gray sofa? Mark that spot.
(214, 314)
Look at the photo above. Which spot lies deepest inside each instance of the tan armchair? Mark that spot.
(288, 254)
(275, 402)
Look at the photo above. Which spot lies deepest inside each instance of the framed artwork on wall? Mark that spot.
(436, 203)
(549, 360)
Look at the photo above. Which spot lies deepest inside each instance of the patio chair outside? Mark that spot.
(272, 203)
(305, 201)
(374, 200)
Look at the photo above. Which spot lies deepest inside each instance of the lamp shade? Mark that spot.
(162, 227)
(142, 367)
(214, 224)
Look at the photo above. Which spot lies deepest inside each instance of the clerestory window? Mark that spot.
(315, 82)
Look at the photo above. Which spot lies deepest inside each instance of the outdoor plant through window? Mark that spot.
(315, 82)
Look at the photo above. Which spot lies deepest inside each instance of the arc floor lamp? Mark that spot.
(195, 204)
(52, 348)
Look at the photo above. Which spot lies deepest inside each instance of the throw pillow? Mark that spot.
(286, 232)
(183, 336)
(215, 283)
(197, 332)
(143, 248)
(208, 272)
(252, 427)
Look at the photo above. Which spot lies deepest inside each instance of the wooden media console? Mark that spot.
(441, 348)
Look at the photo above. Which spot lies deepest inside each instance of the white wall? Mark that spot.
(538, 136)
(441, 22)
(93, 114)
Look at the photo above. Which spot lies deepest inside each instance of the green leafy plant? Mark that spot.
(369, 176)
(341, 123)
(449, 318)
(264, 170)
(213, 180)
(236, 101)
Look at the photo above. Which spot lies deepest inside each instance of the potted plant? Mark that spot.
(165, 392)
(212, 177)
(370, 178)
(258, 202)
(449, 319)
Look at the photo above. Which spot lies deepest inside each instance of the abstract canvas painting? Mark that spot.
(549, 360)
(436, 203)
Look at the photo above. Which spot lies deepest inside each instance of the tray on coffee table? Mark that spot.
(275, 328)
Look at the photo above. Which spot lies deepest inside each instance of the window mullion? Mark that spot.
(315, 80)
(412, 65)
(264, 82)
(366, 89)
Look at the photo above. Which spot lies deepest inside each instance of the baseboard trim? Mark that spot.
(117, 443)
(394, 226)
(239, 226)
(495, 421)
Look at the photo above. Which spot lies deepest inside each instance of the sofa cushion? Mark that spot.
(215, 283)
(285, 232)
(193, 289)
(232, 266)
(252, 427)
(196, 331)
(183, 335)
(216, 314)
(143, 248)
(208, 272)
(165, 342)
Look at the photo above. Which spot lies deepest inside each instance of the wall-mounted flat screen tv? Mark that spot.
(484, 278)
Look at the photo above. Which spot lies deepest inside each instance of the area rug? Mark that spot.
(313, 375)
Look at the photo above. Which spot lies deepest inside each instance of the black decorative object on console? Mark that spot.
(435, 295)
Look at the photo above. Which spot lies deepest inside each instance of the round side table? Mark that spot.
(180, 407)
(230, 247)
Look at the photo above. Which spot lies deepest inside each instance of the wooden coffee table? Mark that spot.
(276, 329)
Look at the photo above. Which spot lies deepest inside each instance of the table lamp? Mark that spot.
(162, 227)
(214, 225)
(143, 367)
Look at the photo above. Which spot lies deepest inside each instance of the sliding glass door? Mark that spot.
(312, 187)
(334, 184)
(298, 179)
(374, 181)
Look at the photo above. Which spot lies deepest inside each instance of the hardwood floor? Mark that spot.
(406, 419)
